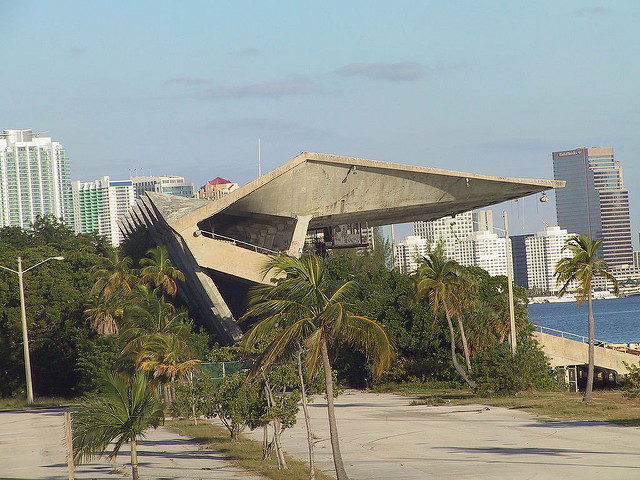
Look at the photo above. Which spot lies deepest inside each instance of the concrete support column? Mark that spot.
(299, 234)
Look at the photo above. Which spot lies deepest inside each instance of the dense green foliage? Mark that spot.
(422, 341)
(66, 303)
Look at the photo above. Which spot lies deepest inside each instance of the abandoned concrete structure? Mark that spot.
(222, 245)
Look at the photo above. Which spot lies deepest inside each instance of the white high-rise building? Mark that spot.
(409, 253)
(448, 231)
(34, 179)
(484, 249)
(544, 250)
(170, 184)
(98, 204)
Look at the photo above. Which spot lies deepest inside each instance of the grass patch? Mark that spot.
(20, 403)
(607, 406)
(245, 453)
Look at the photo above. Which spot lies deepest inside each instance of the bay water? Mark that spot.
(617, 320)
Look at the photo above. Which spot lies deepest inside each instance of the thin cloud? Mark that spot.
(248, 52)
(270, 125)
(289, 86)
(77, 50)
(598, 10)
(188, 81)
(394, 72)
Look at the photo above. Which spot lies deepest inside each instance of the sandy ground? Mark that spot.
(32, 446)
(383, 437)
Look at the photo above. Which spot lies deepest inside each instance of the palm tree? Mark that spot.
(158, 271)
(306, 309)
(439, 279)
(582, 267)
(116, 277)
(122, 413)
(167, 357)
(106, 314)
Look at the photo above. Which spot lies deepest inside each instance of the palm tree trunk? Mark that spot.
(465, 347)
(307, 420)
(457, 366)
(588, 396)
(341, 473)
(134, 459)
(276, 426)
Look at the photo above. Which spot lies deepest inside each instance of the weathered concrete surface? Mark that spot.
(563, 352)
(32, 446)
(383, 437)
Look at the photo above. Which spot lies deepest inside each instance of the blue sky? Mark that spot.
(188, 87)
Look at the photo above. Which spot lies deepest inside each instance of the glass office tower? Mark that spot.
(594, 201)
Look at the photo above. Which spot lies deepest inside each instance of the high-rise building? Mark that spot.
(594, 201)
(519, 252)
(216, 188)
(484, 249)
(98, 204)
(447, 231)
(170, 184)
(34, 179)
(408, 253)
(544, 250)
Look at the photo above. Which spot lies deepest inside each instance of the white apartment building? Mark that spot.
(544, 250)
(483, 249)
(34, 179)
(98, 204)
(408, 253)
(448, 231)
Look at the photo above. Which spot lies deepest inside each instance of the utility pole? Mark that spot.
(510, 283)
(23, 311)
(25, 335)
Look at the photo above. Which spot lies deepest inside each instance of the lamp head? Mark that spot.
(58, 258)
(197, 233)
(544, 198)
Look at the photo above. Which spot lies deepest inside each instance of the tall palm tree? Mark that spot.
(121, 413)
(158, 271)
(306, 309)
(114, 277)
(167, 357)
(438, 279)
(106, 314)
(582, 267)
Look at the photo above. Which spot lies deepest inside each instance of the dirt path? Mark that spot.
(32, 446)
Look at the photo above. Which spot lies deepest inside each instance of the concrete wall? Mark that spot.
(563, 352)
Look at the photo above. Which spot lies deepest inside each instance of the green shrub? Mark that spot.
(498, 372)
(631, 382)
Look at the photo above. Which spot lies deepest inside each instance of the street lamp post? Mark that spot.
(23, 312)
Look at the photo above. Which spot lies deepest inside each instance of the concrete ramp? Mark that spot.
(565, 352)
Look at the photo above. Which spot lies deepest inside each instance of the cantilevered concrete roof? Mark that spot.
(222, 245)
(334, 190)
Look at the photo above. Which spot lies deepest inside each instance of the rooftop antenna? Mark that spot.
(259, 164)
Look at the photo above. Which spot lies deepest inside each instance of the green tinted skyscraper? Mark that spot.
(34, 179)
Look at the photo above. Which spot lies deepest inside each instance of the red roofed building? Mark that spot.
(216, 188)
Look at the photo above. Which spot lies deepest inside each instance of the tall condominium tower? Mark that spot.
(408, 253)
(594, 201)
(171, 184)
(484, 249)
(98, 204)
(448, 231)
(34, 179)
(544, 250)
